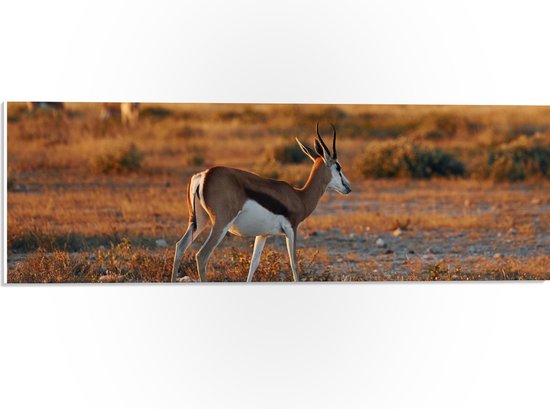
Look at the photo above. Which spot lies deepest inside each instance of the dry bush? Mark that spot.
(124, 161)
(56, 267)
(129, 265)
(519, 159)
(401, 158)
(119, 263)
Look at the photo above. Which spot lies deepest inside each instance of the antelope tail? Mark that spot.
(191, 204)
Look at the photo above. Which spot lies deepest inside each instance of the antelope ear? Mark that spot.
(307, 150)
(319, 148)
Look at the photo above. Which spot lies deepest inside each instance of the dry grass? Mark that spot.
(123, 264)
(62, 205)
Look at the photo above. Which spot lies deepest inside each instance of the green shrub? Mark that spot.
(519, 159)
(11, 183)
(125, 161)
(286, 153)
(401, 158)
(155, 112)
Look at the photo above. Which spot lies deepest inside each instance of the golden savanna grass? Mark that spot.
(91, 200)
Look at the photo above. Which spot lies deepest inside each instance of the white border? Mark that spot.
(4, 133)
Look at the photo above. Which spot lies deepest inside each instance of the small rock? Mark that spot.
(352, 236)
(512, 230)
(184, 279)
(108, 278)
(161, 243)
(398, 232)
(339, 259)
(497, 256)
(380, 243)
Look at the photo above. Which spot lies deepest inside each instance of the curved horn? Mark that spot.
(334, 154)
(325, 147)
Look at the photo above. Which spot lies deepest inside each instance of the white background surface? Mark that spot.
(459, 345)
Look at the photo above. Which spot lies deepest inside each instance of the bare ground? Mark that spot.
(385, 230)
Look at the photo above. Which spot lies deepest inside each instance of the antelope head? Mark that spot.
(338, 181)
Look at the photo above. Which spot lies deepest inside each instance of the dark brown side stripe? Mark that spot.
(267, 201)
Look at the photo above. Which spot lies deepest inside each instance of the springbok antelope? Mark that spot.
(127, 111)
(246, 204)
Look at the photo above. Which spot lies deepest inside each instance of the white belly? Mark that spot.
(255, 220)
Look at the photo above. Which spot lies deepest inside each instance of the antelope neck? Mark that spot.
(315, 186)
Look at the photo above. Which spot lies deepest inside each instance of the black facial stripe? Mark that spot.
(343, 182)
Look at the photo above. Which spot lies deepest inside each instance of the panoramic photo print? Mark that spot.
(152, 192)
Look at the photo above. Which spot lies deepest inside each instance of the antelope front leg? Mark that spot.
(256, 254)
(291, 248)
